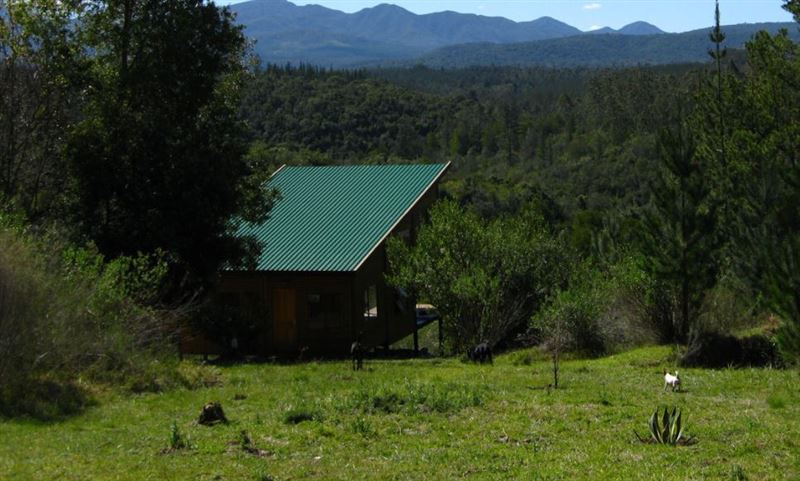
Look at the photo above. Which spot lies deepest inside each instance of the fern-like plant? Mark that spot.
(667, 429)
(176, 439)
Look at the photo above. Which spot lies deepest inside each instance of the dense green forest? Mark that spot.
(581, 141)
(586, 210)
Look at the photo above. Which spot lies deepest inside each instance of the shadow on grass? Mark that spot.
(289, 360)
(44, 401)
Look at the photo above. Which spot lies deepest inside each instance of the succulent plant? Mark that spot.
(667, 429)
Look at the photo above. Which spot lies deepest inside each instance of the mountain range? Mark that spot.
(390, 35)
(598, 50)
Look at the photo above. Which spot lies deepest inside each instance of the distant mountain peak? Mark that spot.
(548, 20)
(640, 28)
(387, 7)
(602, 30)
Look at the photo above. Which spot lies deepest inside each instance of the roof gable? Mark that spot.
(330, 218)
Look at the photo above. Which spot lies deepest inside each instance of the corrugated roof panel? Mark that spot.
(329, 218)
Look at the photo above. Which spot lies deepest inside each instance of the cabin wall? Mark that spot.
(294, 311)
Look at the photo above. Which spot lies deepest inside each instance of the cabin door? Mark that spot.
(285, 325)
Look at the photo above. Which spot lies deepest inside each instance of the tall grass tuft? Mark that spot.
(417, 397)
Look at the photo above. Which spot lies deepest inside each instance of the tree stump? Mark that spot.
(211, 414)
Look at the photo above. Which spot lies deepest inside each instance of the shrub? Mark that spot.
(599, 311)
(715, 350)
(66, 312)
(486, 277)
(760, 350)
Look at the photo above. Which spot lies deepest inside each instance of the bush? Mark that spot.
(486, 277)
(65, 312)
(715, 350)
(760, 350)
(600, 311)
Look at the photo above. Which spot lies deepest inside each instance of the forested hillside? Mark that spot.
(583, 138)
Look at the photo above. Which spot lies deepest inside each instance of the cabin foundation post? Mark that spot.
(441, 344)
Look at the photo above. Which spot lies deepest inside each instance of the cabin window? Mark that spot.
(333, 311)
(370, 303)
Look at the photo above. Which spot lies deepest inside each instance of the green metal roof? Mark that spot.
(330, 218)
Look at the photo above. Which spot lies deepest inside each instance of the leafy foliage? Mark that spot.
(157, 159)
(67, 312)
(578, 139)
(38, 59)
(486, 277)
(597, 312)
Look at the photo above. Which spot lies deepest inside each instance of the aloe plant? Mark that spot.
(666, 429)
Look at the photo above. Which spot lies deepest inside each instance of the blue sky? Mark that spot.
(669, 15)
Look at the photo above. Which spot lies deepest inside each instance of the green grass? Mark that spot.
(427, 419)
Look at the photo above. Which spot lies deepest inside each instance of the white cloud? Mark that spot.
(592, 6)
(595, 27)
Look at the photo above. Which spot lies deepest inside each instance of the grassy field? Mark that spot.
(427, 419)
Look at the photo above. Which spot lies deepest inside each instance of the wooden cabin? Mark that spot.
(320, 280)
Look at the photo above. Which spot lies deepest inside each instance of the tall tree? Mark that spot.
(158, 161)
(37, 55)
(679, 235)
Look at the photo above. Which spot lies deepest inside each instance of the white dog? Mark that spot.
(673, 381)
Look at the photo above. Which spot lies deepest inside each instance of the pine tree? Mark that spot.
(679, 235)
